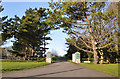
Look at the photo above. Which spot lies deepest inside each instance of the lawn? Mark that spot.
(14, 66)
(111, 69)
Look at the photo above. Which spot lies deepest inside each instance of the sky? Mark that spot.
(19, 8)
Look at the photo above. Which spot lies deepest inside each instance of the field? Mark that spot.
(111, 69)
(20, 65)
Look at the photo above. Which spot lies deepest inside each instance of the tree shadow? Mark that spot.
(58, 72)
(6, 70)
(38, 76)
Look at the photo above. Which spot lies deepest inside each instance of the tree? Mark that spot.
(29, 31)
(87, 21)
(71, 49)
(2, 19)
(114, 48)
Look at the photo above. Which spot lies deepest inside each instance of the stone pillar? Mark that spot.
(49, 57)
(77, 57)
(73, 57)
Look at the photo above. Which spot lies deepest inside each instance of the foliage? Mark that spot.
(29, 32)
(2, 19)
(42, 59)
(53, 61)
(72, 49)
(85, 21)
(90, 27)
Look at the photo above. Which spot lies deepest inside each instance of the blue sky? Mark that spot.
(19, 8)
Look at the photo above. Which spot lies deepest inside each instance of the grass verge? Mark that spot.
(111, 69)
(15, 66)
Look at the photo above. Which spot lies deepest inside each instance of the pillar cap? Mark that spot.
(77, 52)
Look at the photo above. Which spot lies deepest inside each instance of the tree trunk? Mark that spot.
(94, 50)
(101, 54)
(25, 53)
(25, 56)
(101, 60)
(93, 42)
(32, 53)
(95, 57)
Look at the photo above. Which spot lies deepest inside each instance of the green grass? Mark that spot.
(14, 66)
(111, 69)
(8, 60)
(70, 60)
(53, 61)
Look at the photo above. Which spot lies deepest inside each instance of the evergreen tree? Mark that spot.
(29, 31)
(87, 20)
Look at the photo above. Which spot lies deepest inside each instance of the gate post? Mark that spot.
(48, 57)
(77, 57)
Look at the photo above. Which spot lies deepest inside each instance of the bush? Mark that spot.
(41, 60)
(53, 61)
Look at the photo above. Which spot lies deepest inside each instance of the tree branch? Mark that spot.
(76, 23)
(82, 49)
(78, 33)
(85, 43)
(104, 35)
(104, 46)
(103, 39)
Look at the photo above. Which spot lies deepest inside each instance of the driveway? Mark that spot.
(60, 69)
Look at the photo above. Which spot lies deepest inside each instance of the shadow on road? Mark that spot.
(38, 76)
(58, 72)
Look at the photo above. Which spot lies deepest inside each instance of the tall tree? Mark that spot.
(87, 21)
(71, 49)
(114, 48)
(2, 19)
(28, 31)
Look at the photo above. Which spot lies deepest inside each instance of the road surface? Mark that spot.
(59, 69)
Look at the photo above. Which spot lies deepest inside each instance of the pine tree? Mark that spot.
(87, 20)
(28, 31)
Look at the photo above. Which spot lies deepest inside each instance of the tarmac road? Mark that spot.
(59, 69)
